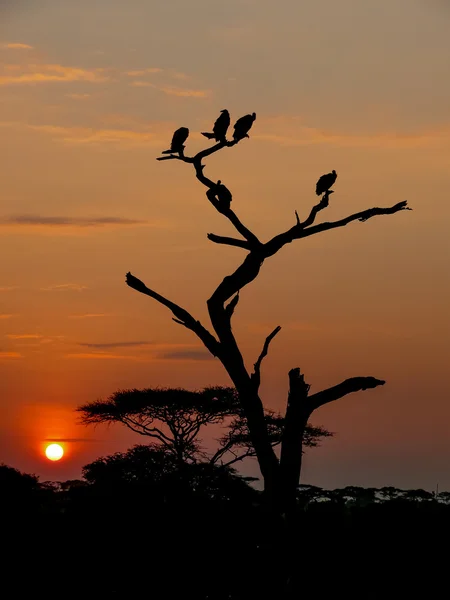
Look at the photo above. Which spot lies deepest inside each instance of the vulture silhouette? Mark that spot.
(223, 194)
(325, 182)
(243, 126)
(220, 128)
(178, 139)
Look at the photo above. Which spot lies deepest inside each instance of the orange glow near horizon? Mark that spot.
(84, 201)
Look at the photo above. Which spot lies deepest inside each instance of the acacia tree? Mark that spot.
(173, 419)
(281, 476)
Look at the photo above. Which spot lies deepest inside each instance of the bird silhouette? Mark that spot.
(220, 128)
(223, 194)
(325, 182)
(243, 126)
(178, 139)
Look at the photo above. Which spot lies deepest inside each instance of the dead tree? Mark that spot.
(281, 476)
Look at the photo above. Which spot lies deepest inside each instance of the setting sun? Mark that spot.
(54, 452)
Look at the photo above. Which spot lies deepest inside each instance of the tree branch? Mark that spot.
(182, 316)
(297, 232)
(229, 309)
(239, 458)
(218, 239)
(174, 157)
(256, 375)
(315, 209)
(226, 211)
(131, 425)
(232, 217)
(354, 384)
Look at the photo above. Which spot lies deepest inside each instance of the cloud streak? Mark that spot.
(291, 131)
(71, 440)
(65, 287)
(24, 336)
(83, 135)
(147, 135)
(89, 316)
(42, 221)
(7, 355)
(17, 46)
(171, 90)
(115, 344)
(186, 355)
(141, 72)
(104, 356)
(52, 73)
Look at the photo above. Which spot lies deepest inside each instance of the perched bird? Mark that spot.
(178, 139)
(223, 194)
(243, 126)
(220, 128)
(325, 182)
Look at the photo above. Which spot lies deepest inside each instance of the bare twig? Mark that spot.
(228, 241)
(256, 375)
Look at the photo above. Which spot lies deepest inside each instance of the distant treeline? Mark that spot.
(138, 526)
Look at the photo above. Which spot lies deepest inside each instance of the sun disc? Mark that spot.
(54, 452)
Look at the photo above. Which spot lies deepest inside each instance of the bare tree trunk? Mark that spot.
(281, 478)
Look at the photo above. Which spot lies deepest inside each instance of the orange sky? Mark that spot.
(90, 92)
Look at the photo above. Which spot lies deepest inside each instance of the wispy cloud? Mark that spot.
(143, 135)
(39, 73)
(83, 135)
(141, 72)
(6, 316)
(89, 316)
(179, 75)
(104, 356)
(116, 344)
(292, 131)
(8, 288)
(7, 355)
(171, 90)
(160, 352)
(186, 355)
(24, 336)
(71, 440)
(33, 339)
(17, 46)
(65, 287)
(40, 221)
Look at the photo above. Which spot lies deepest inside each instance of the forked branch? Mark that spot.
(299, 231)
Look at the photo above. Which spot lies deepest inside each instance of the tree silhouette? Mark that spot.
(148, 468)
(281, 476)
(174, 417)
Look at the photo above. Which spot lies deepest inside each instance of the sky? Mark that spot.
(90, 93)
